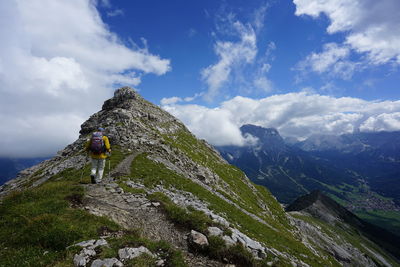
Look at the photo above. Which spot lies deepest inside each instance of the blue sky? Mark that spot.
(185, 32)
(304, 67)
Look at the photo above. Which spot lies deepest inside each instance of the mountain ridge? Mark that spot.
(175, 189)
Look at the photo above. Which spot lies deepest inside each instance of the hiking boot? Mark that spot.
(92, 179)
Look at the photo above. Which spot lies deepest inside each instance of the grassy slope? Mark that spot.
(278, 236)
(38, 224)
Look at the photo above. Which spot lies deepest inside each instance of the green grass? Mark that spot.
(187, 218)
(117, 155)
(152, 174)
(234, 177)
(236, 254)
(41, 219)
(37, 224)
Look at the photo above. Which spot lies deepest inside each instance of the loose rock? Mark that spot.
(79, 260)
(130, 253)
(197, 240)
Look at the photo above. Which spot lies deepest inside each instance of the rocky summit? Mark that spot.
(167, 199)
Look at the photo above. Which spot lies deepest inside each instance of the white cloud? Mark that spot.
(298, 115)
(264, 84)
(332, 60)
(382, 122)
(332, 53)
(170, 100)
(250, 140)
(231, 55)
(174, 100)
(259, 16)
(371, 27)
(24, 136)
(58, 63)
(214, 125)
(116, 12)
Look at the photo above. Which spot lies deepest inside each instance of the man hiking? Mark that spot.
(98, 147)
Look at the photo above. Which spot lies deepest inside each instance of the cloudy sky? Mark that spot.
(302, 66)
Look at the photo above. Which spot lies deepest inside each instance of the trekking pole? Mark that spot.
(109, 170)
(109, 166)
(83, 170)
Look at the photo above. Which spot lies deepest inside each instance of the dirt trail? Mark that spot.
(122, 169)
(135, 211)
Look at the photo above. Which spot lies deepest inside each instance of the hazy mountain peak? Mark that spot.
(267, 137)
(259, 131)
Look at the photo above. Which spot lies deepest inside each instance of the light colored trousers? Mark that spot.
(98, 168)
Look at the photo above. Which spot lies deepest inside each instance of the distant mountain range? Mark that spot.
(374, 156)
(360, 171)
(9, 167)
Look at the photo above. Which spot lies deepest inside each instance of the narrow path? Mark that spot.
(122, 169)
(135, 211)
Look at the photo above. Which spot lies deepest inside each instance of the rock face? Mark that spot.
(182, 193)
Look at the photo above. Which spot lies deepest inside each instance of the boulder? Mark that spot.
(197, 240)
(80, 260)
(84, 256)
(130, 253)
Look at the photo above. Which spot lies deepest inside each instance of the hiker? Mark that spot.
(99, 148)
